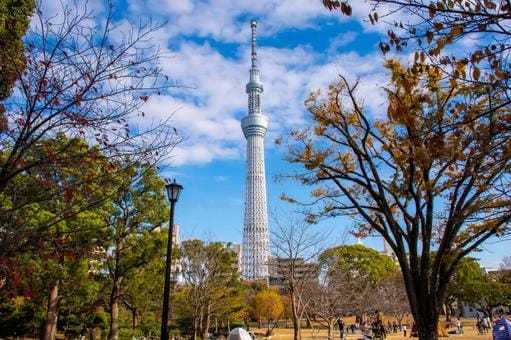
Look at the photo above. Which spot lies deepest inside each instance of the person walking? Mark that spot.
(340, 324)
(83, 333)
(404, 331)
(460, 326)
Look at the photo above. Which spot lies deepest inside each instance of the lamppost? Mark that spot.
(173, 191)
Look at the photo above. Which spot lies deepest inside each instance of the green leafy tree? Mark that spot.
(143, 291)
(56, 264)
(78, 182)
(360, 261)
(488, 294)
(350, 283)
(21, 315)
(434, 187)
(137, 214)
(468, 272)
(14, 20)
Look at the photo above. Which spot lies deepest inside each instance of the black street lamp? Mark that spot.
(173, 191)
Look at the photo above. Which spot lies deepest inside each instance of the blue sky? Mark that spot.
(301, 47)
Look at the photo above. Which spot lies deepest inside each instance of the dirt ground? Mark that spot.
(287, 333)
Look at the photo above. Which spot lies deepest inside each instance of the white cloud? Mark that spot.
(210, 107)
(207, 110)
(226, 20)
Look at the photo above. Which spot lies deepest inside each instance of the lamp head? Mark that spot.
(173, 191)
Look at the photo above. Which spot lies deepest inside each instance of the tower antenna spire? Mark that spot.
(253, 25)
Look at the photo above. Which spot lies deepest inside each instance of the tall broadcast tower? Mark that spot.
(255, 230)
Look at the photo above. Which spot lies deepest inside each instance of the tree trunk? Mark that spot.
(425, 299)
(207, 322)
(195, 327)
(114, 310)
(426, 316)
(134, 322)
(427, 331)
(296, 318)
(331, 329)
(52, 313)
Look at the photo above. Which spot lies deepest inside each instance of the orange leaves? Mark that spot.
(318, 192)
(335, 4)
(307, 153)
(489, 4)
(476, 73)
(319, 130)
(429, 36)
(346, 8)
(457, 30)
(432, 9)
(286, 198)
(346, 160)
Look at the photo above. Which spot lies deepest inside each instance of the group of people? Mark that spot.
(483, 325)
(83, 334)
(343, 328)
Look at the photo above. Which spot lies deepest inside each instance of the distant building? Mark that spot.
(237, 249)
(175, 267)
(387, 250)
(279, 270)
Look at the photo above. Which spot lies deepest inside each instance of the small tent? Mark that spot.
(239, 334)
(502, 330)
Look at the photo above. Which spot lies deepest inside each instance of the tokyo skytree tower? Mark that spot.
(255, 230)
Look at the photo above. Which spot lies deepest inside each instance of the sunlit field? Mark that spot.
(287, 333)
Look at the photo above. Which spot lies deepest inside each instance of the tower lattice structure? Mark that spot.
(255, 247)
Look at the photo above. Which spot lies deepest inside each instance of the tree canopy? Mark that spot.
(360, 261)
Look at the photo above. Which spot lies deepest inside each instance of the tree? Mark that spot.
(433, 185)
(295, 250)
(338, 294)
(360, 261)
(14, 20)
(488, 294)
(79, 184)
(350, 282)
(436, 27)
(79, 80)
(212, 283)
(391, 298)
(467, 273)
(138, 211)
(268, 306)
(143, 290)
(71, 240)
